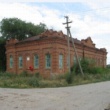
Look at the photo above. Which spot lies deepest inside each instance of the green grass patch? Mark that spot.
(27, 80)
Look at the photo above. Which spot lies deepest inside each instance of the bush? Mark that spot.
(84, 64)
(37, 74)
(69, 78)
(7, 74)
(52, 83)
(33, 82)
(24, 74)
(96, 70)
(88, 66)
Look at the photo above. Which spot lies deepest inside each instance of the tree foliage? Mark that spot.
(2, 55)
(88, 66)
(16, 28)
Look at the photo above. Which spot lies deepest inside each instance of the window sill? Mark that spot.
(48, 68)
(20, 68)
(36, 68)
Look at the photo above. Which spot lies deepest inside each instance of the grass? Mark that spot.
(91, 78)
(26, 80)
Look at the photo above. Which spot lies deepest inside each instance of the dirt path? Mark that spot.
(85, 97)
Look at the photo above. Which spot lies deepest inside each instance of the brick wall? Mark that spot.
(54, 46)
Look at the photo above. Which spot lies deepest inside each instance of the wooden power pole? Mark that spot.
(76, 55)
(67, 27)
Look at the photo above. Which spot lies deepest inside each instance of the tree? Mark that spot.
(2, 55)
(16, 28)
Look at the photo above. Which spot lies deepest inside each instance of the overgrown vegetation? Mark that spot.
(92, 74)
(88, 67)
(23, 80)
(26, 80)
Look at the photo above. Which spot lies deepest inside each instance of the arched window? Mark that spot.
(48, 60)
(60, 61)
(36, 61)
(11, 61)
(20, 62)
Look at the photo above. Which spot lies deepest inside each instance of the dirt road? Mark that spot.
(84, 97)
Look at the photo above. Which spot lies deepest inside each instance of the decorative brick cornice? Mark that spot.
(51, 36)
(88, 42)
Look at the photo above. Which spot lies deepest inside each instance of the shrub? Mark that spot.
(84, 64)
(37, 74)
(24, 74)
(7, 74)
(33, 82)
(60, 77)
(1, 73)
(52, 83)
(96, 70)
(88, 66)
(69, 78)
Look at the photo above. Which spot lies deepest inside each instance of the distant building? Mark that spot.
(47, 53)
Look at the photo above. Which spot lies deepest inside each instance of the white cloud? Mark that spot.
(90, 25)
(21, 11)
(100, 7)
(94, 26)
(90, 2)
(33, 14)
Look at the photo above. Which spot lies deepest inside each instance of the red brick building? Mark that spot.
(47, 53)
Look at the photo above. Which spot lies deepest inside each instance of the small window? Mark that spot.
(36, 61)
(60, 61)
(20, 62)
(48, 60)
(11, 61)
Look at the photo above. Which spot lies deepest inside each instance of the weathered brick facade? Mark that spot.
(53, 43)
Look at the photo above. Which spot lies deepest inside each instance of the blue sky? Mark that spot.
(90, 18)
(77, 7)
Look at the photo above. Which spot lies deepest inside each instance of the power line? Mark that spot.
(95, 9)
(83, 12)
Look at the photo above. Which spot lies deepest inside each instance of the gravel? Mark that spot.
(94, 96)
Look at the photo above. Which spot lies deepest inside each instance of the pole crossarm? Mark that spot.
(67, 22)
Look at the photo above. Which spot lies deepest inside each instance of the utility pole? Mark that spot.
(76, 54)
(67, 27)
(69, 33)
